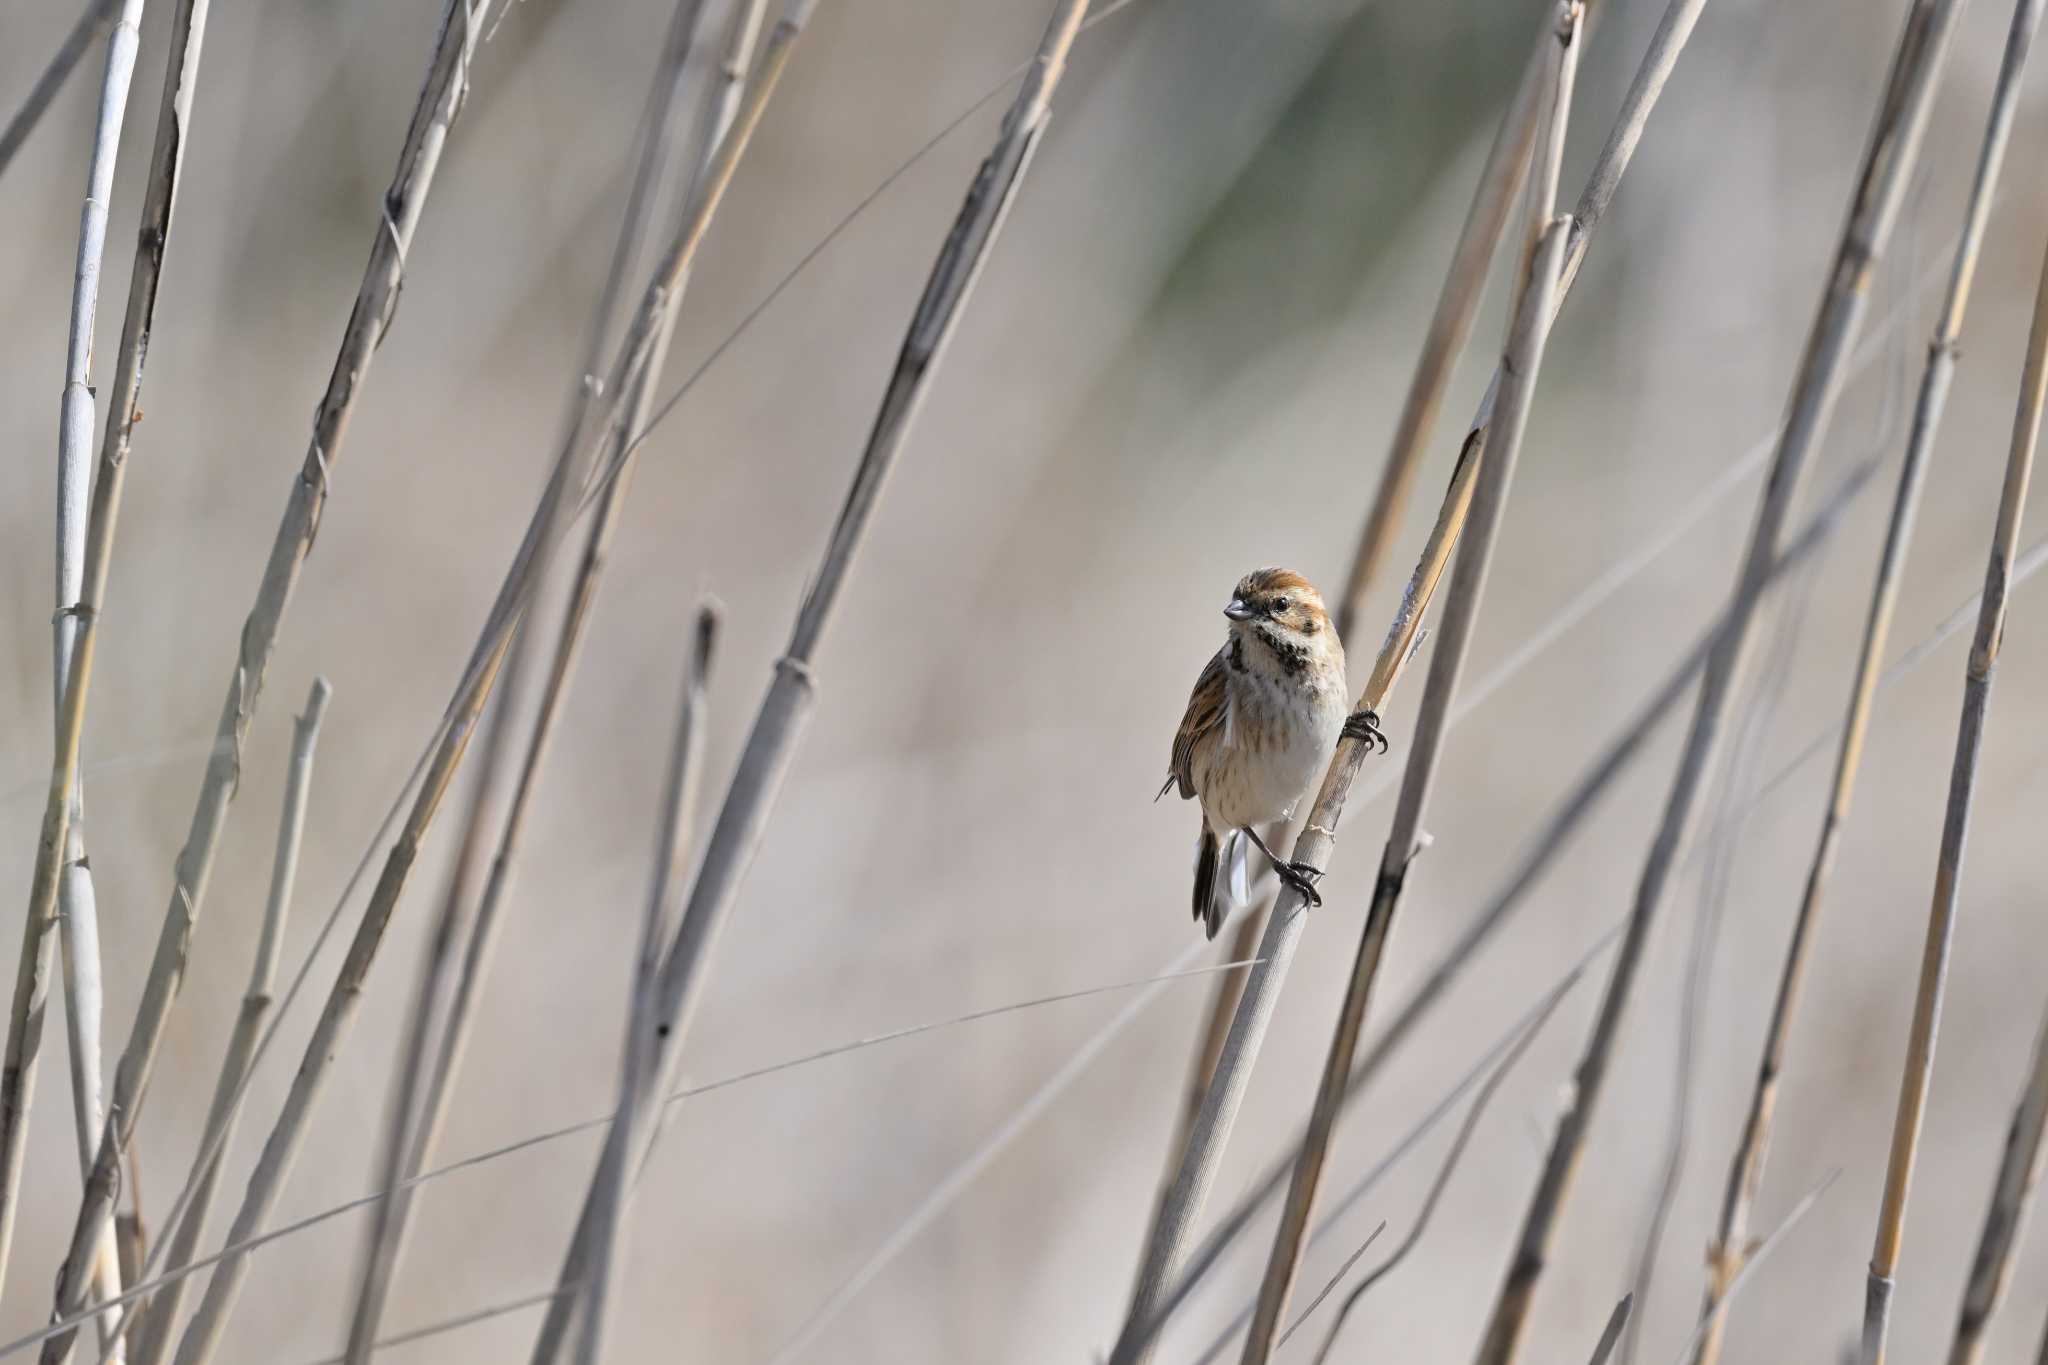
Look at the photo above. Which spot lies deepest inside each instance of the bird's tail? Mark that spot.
(1220, 877)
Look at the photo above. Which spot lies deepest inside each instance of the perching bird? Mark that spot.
(1260, 728)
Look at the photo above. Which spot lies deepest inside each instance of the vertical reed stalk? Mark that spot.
(1521, 363)
(415, 1123)
(1887, 166)
(162, 1317)
(1173, 1230)
(1955, 828)
(2012, 1200)
(771, 744)
(1725, 1253)
(611, 1185)
(542, 537)
(93, 20)
(440, 102)
(85, 549)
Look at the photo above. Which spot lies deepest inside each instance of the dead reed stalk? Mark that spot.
(1172, 1233)
(1728, 1247)
(439, 104)
(771, 743)
(93, 20)
(1881, 184)
(2012, 1200)
(610, 1187)
(157, 1325)
(1521, 363)
(86, 549)
(416, 1118)
(1955, 828)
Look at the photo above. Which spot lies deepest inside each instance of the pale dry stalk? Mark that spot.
(1941, 917)
(401, 208)
(1881, 184)
(85, 550)
(415, 1122)
(611, 1186)
(1172, 1233)
(1521, 363)
(2012, 1200)
(1725, 1253)
(157, 1325)
(771, 743)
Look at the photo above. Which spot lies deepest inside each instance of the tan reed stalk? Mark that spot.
(95, 19)
(2012, 1200)
(777, 726)
(71, 890)
(1610, 1337)
(610, 1186)
(1955, 828)
(1881, 184)
(234, 1067)
(1726, 1251)
(1173, 1230)
(1521, 364)
(415, 1123)
(439, 104)
(85, 596)
(203, 1335)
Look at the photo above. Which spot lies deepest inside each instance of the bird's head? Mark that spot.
(1280, 606)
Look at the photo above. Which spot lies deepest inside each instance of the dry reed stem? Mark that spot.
(87, 594)
(1521, 363)
(1610, 1337)
(2012, 1200)
(1941, 917)
(1888, 161)
(415, 1122)
(610, 1186)
(1173, 1229)
(542, 537)
(1725, 1253)
(95, 19)
(1447, 1168)
(220, 1117)
(77, 906)
(771, 743)
(439, 104)
(1762, 1251)
(1457, 304)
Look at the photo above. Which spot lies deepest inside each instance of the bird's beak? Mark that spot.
(1238, 611)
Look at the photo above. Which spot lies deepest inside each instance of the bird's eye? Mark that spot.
(1279, 605)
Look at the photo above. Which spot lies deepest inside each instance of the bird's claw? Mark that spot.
(1302, 877)
(1364, 725)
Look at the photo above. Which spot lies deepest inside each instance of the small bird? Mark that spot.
(1260, 727)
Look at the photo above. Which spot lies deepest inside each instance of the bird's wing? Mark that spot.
(1208, 707)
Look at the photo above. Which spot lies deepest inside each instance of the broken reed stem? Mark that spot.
(1727, 1249)
(162, 1317)
(1617, 1322)
(1521, 363)
(87, 594)
(2012, 1200)
(415, 1122)
(543, 535)
(771, 743)
(610, 1186)
(1486, 221)
(1881, 184)
(1941, 917)
(95, 19)
(1173, 1229)
(440, 101)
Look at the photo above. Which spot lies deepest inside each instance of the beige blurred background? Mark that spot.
(1183, 362)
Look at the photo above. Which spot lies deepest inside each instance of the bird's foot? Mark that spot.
(1364, 725)
(1302, 877)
